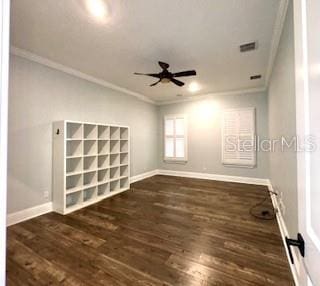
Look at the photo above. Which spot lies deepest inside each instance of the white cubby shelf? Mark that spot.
(91, 163)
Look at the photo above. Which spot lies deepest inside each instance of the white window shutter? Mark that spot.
(238, 137)
(175, 137)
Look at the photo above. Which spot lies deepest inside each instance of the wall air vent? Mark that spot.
(248, 47)
(258, 76)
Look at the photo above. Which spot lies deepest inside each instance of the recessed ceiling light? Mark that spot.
(193, 87)
(98, 9)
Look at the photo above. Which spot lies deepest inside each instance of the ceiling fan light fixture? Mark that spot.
(98, 9)
(165, 80)
(194, 87)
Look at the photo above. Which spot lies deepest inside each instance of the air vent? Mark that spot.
(248, 47)
(255, 76)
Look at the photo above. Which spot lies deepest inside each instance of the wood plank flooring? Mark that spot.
(164, 231)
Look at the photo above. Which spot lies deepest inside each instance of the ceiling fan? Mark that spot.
(165, 76)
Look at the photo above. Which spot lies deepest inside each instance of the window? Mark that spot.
(175, 138)
(238, 137)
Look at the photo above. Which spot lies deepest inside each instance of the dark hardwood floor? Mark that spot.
(165, 231)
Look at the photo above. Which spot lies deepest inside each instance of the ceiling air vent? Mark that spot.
(248, 47)
(255, 76)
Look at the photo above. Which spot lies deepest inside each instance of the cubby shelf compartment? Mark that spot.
(114, 160)
(114, 173)
(103, 189)
(115, 186)
(124, 158)
(124, 171)
(124, 133)
(91, 163)
(103, 146)
(73, 182)
(73, 199)
(74, 130)
(74, 148)
(124, 146)
(74, 165)
(103, 132)
(124, 183)
(90, 179)
(103, 175)
(115, 133)
(103, 161)
(90, 147)
(89, 194)
(90, 131)
(114, 146)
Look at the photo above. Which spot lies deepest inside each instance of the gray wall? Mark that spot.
(282, 122)
(38, 96)
(204, 134)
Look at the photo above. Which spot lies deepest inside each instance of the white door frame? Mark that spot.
(4, 77)
(302, 121)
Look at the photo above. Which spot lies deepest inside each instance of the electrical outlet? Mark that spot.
(204, 168)
(46, 194)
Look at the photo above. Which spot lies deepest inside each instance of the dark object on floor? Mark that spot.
(262, 210)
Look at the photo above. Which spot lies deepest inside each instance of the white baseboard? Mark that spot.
(295, 268)
(29, 213)
(143, 176)
(215, 177)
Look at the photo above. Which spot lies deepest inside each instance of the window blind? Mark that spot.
(238, 137)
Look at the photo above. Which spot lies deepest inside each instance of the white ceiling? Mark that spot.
(196, 34)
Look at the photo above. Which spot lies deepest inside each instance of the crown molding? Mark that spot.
(216, 94)
(60, 67)
(57, 66)
(277, 31)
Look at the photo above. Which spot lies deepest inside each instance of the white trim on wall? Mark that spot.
(214, 94)
(60, 67)
(29, 213)
(277, 31)
(295, 268)
(4, 75)
(215, 177)
(32, 212)
(143, 176)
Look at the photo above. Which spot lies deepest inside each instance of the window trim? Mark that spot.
(174, 136)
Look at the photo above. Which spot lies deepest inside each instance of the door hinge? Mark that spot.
(299, 242)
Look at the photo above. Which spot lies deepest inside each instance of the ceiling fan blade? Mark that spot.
(163, 65)
(155, 83)
(177, 82)
(185, 73)
(148, 74)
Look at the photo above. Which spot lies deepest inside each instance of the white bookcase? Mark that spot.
(91, 163)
